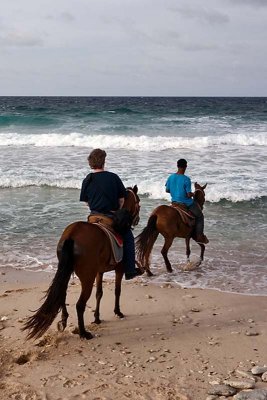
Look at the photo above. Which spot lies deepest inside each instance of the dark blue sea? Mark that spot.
(44, 144)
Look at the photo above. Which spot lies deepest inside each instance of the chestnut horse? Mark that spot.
(83, 249)
(167, 221)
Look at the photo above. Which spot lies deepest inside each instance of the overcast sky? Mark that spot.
(133, 47)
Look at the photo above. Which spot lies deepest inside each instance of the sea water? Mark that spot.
(44, 144)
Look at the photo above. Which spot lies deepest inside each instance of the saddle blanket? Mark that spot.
(186, 216)
(116, 242)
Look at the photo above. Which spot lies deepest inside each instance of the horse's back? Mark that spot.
(85, 236)
(169, 222)
(163, 209)
(166, 213)
(72, 229)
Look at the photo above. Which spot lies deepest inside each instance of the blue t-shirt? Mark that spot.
(102, 191)
(178, 186)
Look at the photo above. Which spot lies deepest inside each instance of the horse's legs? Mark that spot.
(188, 251)
(119, 274)
(202, 251)
(99, 294)
(61, 325)
(80, 306)
(147, 267)
(164, 252)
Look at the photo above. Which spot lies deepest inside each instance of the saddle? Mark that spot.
(186, 216)
(105, 224)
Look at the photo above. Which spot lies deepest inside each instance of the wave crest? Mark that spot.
(141, 143)
(153, 190)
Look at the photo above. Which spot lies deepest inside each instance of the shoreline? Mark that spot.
(172, 343)
(10, 275)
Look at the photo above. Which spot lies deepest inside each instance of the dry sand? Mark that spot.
(172, 343)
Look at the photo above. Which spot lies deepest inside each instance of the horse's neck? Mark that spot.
(198, 198)
(199, 202)
(127, 202)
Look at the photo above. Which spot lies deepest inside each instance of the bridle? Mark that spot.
(136, 210)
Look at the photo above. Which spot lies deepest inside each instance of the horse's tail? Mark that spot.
(55, 295)
(146, 239)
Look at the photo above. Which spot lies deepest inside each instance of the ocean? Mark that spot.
(44, 144)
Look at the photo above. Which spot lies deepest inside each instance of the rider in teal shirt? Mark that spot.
(179, 186)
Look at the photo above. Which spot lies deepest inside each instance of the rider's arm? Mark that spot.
(121, 191)
(188, 189)
(83, 193)
(167, 186)
(190, 194)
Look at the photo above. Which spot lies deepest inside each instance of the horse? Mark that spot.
(83, 249)
(167, 221)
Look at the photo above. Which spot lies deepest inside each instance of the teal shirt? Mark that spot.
(178, 186)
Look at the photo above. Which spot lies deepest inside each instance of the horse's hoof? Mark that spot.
(190, 266)
(61, 326)
(119, 314)
(149, 273)
(169, 270)
(97, 321)
(86, 335)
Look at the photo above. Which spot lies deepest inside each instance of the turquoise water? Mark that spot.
(44, 143)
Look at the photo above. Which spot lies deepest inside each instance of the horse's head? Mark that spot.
(200, 194)
(132, 204)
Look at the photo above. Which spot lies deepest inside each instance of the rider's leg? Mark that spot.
(199, 228)
(129, 256)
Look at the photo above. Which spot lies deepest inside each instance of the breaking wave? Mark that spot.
(141, 143)
(152, 189)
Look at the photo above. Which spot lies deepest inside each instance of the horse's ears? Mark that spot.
(197, 186)
(135, 189)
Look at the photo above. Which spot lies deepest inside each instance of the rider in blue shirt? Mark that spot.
(179, 186)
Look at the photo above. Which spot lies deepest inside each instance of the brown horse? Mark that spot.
(167, 221)
(83, 249)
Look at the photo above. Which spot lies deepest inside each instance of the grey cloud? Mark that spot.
(252, 3)
(67, 17)
(64, 16)
(198, 47)
(202, 14)
(160, 37)
(167, 38)
(20, 39)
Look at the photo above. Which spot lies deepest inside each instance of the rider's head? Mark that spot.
(182, 163)
(96, 158)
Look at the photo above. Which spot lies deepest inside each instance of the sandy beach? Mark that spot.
(173, 343)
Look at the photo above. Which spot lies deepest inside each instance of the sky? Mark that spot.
(133, 48)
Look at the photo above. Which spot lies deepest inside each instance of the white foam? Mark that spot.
(214, 193)
(142, 143)
(20, 182)
(153, 187)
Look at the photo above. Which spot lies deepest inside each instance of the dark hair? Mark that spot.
(182, 163)
(97, 158)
